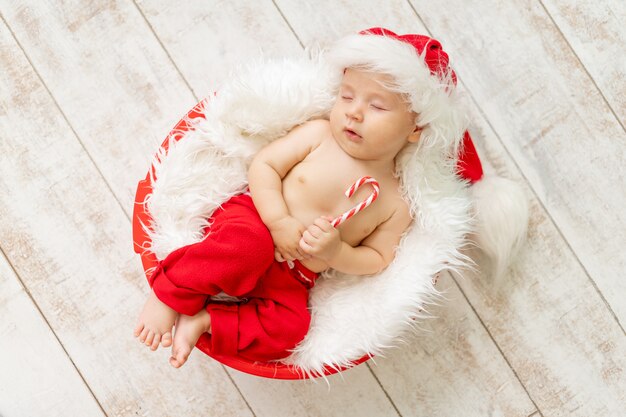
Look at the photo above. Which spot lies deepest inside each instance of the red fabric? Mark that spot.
(435, 57)
(237, 257)
(468, 165)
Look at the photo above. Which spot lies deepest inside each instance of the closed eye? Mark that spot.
(378, 107)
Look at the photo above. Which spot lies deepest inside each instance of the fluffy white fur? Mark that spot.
(209, 166)
(502, 212)
(351, 316)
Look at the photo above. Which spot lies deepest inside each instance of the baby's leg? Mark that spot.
(230, 259)
(273, 320)
(264, 331)
(188, 331)
(155, 323)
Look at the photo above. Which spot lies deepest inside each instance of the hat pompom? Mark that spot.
(501, 211)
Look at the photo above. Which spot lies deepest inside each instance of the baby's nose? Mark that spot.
(354, 112)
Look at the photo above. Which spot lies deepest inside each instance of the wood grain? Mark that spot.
(37, 376)
(452, 368)
(352, 393)
(553, 121)
(325, 21)
(111, 78)
(595, 31)
(547, 317)
(207, 40)
(67, 238)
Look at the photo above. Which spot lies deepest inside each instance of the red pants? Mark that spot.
(237, 258)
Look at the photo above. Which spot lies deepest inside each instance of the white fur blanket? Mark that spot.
(351, 316)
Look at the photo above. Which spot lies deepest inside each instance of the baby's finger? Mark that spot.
(296, 253)
(288, 254)
(323, 224)
(308, 237)
(314, 231)
(306, 248)
(303, 254)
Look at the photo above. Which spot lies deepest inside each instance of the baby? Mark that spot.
(267, 246)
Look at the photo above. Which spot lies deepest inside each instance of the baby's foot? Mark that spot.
(155, 323)
(188, 331)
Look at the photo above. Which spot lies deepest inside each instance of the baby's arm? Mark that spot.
(321, 240)
(265, 176)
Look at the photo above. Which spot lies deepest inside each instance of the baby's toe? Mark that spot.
(175, 363)
(138, 329)
(179, 356)
(166, 340)
(183, 354)
(155, 342)
(144, 334)
(149, 338)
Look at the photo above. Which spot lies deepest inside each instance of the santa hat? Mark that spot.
(420, 70)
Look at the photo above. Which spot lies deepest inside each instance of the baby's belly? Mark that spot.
(307, 200)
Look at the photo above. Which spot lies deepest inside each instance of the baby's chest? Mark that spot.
(324, 187)
(327, 183)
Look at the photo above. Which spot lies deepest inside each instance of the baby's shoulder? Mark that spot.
(311, 133)
(312, 129)
(314, 126)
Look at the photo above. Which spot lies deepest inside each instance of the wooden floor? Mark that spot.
(88, 89)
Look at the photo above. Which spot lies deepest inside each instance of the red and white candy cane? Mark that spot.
(362, 205)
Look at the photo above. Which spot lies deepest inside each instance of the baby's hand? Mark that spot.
(286, 234)
(321, 240)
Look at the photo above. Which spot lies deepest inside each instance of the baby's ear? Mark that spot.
(415, 135)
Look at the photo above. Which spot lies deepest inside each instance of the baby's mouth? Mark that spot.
(352, 134)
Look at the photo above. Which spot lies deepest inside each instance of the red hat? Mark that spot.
(418, 65)
(435, 57)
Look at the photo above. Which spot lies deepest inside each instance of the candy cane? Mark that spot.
(362, 205)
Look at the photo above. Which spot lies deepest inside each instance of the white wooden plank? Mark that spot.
(228, 36)
(553, 122)
(114, 82)
(37, 376)
(451, 368)
(415, 382)
(352, 393)
(325, 21)
(207, 40)
(69, 241)
(596, 33)
(547, 317)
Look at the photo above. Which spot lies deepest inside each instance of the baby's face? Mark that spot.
(369, 121)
